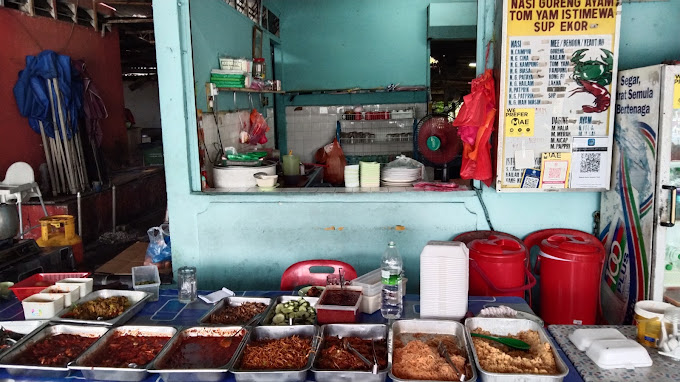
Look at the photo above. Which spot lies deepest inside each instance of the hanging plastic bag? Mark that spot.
(158, 252)
(332, 156)
(475, 123)
(258, 129)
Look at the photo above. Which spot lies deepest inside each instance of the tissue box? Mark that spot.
(85, 284)
(71, 293)
(42, 306)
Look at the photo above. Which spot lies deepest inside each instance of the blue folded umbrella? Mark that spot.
(32, 97)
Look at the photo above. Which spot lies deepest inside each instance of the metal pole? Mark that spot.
(48, 158)
(55, 143)
(80, 217)
(65, 155)
(62, 122)
(113, 207)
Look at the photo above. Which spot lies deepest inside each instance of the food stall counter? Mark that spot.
(168, 311)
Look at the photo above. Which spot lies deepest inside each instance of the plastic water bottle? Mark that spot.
(391, 268)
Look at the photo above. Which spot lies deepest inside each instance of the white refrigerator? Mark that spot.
(638, 225)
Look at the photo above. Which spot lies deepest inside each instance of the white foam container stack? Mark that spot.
(371, 284)
(444, 280)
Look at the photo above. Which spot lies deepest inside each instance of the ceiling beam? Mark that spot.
(136, 20)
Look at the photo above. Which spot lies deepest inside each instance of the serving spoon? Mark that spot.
(445, 353)
(507, 341)
(347, 346)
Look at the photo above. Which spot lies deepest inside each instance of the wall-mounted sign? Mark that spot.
(558, 62)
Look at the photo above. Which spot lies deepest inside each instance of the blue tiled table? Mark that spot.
(169, 311)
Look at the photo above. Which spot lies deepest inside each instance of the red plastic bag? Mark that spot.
(475, 122)
(332, 156)
(257, 131)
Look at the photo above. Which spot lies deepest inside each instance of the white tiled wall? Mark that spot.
(230, 123)
(310, 127)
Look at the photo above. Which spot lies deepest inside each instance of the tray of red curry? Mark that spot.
(201, 353)
(124, 353)
(47, 353)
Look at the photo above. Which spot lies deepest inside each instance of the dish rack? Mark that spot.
(378, 115)
(374, 132)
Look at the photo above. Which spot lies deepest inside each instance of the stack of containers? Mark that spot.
(352, 175)
(371, 284)
(229, 78)
(369, 173)
(444, 278)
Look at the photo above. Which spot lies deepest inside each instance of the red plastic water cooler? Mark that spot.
(498, 267)
(569, 265)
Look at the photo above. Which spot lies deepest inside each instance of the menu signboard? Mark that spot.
(558, 65)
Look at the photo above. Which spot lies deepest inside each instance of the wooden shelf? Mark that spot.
(246, 90)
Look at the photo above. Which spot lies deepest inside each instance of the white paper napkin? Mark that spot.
(217, 296)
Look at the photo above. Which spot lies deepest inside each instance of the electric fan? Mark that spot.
(438, 143)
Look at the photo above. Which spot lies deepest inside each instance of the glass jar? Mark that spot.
(258, 68)
(187, 284)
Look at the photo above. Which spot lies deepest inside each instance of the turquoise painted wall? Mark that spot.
(649, 33)
(218, 29)
(246, 241)
(355, 43)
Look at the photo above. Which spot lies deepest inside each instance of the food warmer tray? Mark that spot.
(45, 371)
(236, 301)
(25, 328)
(202, 375)
(276, 332)
(119, 373)
(430, 327)
(503, 326)
(366, 332)
(283, 299)
(137, 300)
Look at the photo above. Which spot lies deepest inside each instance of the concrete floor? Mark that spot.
(109, 246)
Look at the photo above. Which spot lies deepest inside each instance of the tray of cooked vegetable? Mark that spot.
(498, 362)
(416, 356)
(104, 307)
(199, 353)
(336, 359)
(47, 352)
(237, 311)
(292, 310)
(276, 353)
(124, 353)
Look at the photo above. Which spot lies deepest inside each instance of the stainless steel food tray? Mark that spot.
(505, 326)
(25, 328)
(283, 299)
(137, 301)
(276, 332)
(431, 327)
(236, 301)
(119, 373)
(363, 331)
(45, 371)
(202, 375)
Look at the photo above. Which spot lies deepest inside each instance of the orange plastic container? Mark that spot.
(39, 281)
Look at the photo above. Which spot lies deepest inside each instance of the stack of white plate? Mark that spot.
(444, 275)
(370, 174)
(400, 176)
(352, 175)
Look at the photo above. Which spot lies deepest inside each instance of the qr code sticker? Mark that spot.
(590, 162)
(530, 182)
